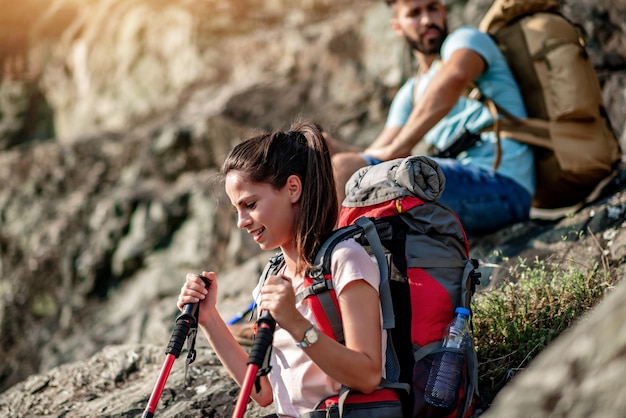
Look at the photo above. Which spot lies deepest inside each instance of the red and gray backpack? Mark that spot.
(426, 273)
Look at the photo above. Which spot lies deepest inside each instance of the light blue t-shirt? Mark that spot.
(497, 83)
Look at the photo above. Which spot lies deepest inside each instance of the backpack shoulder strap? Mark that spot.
(367, 228)
(532, 131)
(325, 305)
(386, 303)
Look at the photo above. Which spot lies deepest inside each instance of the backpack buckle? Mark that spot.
(320, 286)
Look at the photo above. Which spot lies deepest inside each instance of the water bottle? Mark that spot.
(447, 368)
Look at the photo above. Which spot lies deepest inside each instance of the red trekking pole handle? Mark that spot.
(262, 342)
(184, 323)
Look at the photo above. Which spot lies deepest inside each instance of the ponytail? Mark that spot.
(272, 158)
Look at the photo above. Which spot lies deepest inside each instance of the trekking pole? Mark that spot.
(262, 342)
(185, 323)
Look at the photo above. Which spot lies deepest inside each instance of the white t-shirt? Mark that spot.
(298, 383)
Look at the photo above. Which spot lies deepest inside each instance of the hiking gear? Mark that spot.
(240, 315)
(463, 141)
(384, 403)
(186, 328)
(243, 331)
(432, 272)
(425, 273)
(445, 375)
(568, 126)
(310, 337)
(262, 342)
(258, 359)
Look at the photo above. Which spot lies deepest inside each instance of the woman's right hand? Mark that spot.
(194, 290)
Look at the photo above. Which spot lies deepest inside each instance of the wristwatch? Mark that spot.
(310, 337)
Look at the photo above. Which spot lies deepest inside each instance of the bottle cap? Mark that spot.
(462, 311)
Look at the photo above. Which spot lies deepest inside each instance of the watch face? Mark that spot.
(311, 335)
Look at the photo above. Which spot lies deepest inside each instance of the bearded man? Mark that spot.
(433, 107)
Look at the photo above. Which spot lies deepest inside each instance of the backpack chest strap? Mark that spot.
(316, 288)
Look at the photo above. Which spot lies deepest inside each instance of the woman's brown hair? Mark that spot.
(271, 158)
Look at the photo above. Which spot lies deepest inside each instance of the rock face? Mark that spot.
(127, 60)
(114, 118)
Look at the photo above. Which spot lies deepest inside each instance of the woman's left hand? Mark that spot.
(278, 297)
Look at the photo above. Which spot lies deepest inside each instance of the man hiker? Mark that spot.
(433, 107)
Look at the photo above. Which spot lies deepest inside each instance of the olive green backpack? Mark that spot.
(576, 150)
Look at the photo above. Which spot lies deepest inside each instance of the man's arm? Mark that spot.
(440, 96)
(385, 138)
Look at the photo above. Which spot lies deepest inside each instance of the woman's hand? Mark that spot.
(194, 290)
(278, 297)
(231, 354)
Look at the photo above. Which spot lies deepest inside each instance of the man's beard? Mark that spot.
(430, 47)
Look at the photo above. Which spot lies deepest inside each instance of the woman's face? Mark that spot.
(266, 213)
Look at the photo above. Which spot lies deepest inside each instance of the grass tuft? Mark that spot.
(514, 322)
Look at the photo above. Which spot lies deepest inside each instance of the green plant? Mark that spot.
(517, 320)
